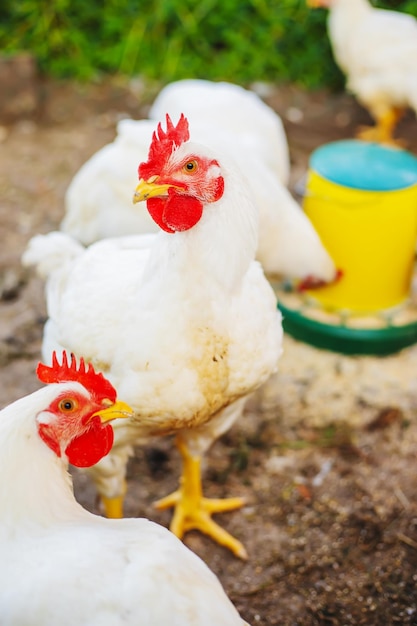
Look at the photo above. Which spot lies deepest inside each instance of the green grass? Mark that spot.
(237, 40)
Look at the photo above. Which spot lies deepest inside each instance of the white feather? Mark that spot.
(63, 565)
(231, 109)
(232, 121)
(377, 50)
(184, 325)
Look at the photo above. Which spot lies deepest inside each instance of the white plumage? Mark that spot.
(231, 109)
(231, 120)
(184, 324)
(98, 202)
(377, 50)
(62, 565)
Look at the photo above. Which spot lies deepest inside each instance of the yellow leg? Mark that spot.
(383, 131)
(113, 507)
(193, 511)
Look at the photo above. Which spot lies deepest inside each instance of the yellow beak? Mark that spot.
(115, 410)
(316, 4)
(150, 188)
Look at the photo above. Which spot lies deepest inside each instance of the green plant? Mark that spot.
(237, 40)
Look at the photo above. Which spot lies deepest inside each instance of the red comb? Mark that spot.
(67, 372)
(163, 143)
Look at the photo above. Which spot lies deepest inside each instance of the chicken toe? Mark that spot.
(193, 511)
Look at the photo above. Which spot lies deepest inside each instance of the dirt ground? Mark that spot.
(325, 453)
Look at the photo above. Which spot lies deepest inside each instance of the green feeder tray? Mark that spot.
(380, 334)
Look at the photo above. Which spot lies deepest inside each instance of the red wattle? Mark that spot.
(88, 449)
(156, 207)
(176, 212)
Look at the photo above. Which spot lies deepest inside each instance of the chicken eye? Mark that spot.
(68, 405)
(190, 167)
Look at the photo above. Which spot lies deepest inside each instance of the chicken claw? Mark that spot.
(383, 131)
(193, 511)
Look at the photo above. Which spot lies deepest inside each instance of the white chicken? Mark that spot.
(98, 201)
(183, 322)
(230, 109)
(61, 564)
(228, 119)
(377, 50)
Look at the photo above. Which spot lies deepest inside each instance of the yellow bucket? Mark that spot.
(362, 200)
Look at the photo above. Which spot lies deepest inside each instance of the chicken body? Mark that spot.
(62, 565)
(377, 50)
(184, 324)
(98, 201)
(232, 121)
(167, 329)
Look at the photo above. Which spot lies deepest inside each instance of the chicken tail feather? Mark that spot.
(50, 252)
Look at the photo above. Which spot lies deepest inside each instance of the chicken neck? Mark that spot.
(221, 246)
(35, 486)
(344, 17)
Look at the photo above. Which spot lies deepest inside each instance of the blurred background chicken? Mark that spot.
(377, 50)
(229, 119)
(231, 109)
(61, 564)
(183, 322)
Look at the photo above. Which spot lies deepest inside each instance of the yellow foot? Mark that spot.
(199, 518)
(379, 135)
(113, 507)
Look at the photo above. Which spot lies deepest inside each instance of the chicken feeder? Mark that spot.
(362, 200)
